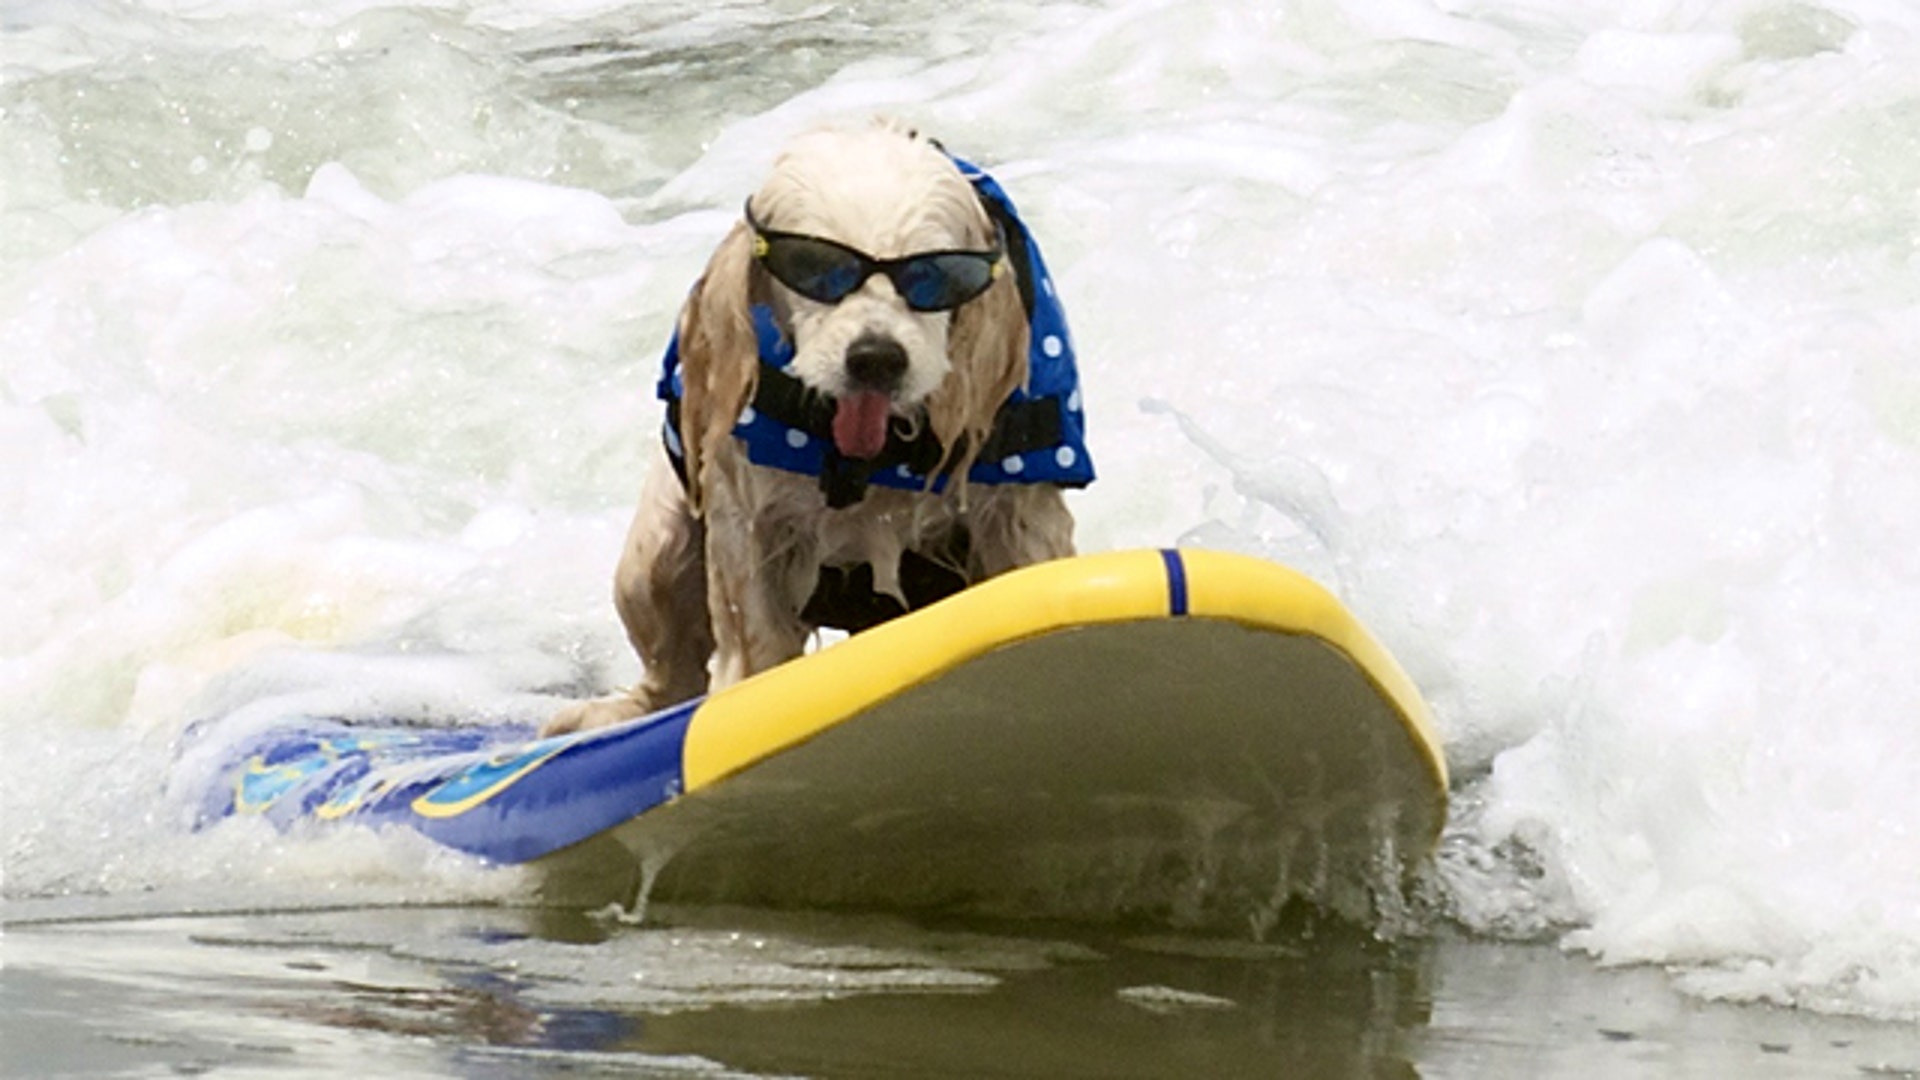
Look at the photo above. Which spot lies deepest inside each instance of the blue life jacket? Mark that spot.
(1038, 436)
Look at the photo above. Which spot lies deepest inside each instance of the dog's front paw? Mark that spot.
(597, 713)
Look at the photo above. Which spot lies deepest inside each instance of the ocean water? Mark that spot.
(1571, 344)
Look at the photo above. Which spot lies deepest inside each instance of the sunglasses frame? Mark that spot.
(764, 239)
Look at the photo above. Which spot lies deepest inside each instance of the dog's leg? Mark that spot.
(1017, 526)
(760, 569)
(660, 591)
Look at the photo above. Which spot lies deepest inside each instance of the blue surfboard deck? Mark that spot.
(494, 791)
(1138, 730)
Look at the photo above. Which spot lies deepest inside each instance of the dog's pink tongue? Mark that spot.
(860, 423)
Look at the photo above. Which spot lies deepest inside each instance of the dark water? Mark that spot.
(489, 992)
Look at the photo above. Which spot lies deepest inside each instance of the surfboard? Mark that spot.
(1192, 736)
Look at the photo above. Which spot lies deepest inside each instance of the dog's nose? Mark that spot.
(876, 362)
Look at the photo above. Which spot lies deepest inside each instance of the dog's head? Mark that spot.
(880, 261)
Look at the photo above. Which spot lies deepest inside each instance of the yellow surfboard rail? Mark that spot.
(778, 709)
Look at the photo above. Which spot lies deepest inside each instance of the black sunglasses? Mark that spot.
(828, 272)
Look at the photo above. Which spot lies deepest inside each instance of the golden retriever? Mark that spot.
(907, 328)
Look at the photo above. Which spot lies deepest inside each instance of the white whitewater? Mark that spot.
(1571, 343)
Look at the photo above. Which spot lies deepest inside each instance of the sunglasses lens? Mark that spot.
(828, 273)
(939, 282)
(815, 270)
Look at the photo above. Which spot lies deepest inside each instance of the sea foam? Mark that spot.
(1570, 343)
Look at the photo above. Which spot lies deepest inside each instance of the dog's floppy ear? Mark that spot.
(987, 354)
(719, 356)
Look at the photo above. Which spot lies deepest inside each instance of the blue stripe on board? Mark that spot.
(601, 779)
(1176, 581)
(503, 794)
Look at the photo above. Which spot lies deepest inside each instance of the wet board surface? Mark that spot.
(1190, 735)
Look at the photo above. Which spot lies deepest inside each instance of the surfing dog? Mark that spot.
(856, 421)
